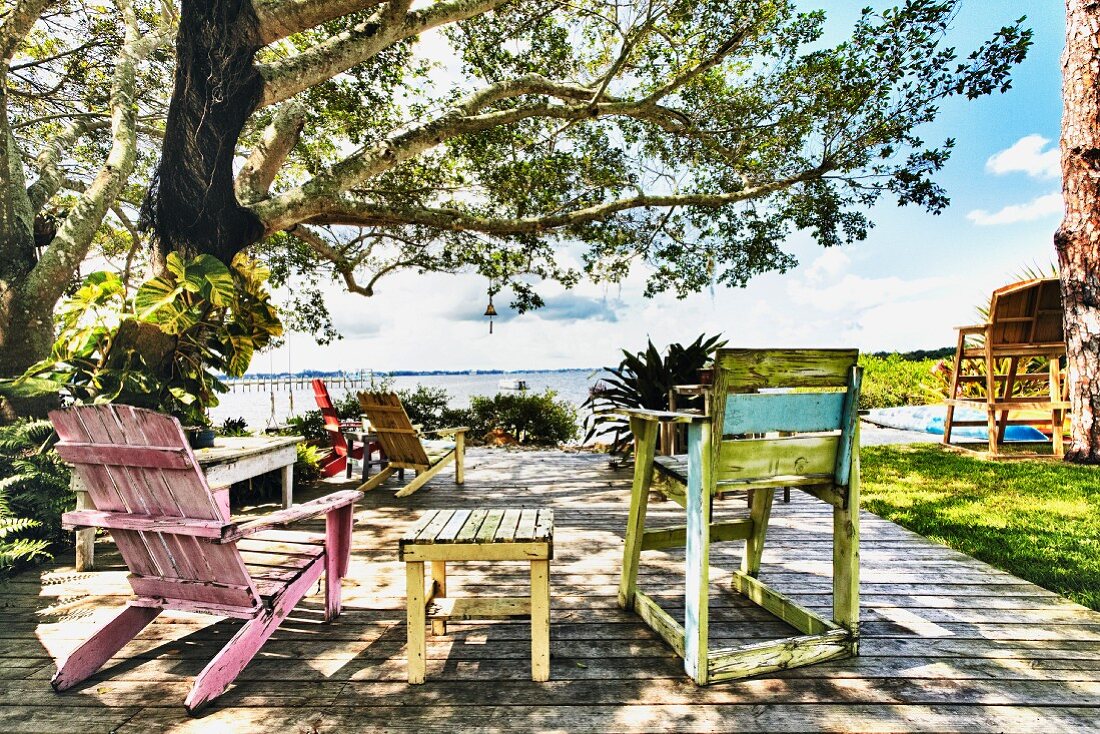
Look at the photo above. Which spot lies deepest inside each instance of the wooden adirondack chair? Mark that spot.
(337, 460)
(403, 447)
(1025, 322)
(821, 457)
(182, 551)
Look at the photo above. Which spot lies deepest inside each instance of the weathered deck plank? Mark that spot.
(979, 650)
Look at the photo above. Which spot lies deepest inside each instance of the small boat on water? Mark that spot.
(512, 384)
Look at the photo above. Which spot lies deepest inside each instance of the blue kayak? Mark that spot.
(930, 418)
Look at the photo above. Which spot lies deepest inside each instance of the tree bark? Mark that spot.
(1078, 238)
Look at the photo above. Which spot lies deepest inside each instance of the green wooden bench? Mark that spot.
(817, 451)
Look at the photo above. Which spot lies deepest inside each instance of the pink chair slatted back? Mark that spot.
(331, 418)
(138, 461)
(395, 431)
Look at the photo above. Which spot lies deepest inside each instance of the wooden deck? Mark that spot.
(950, 644)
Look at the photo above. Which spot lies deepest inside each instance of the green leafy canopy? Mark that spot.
(749, 100)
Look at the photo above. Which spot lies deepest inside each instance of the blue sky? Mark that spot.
(905, 287)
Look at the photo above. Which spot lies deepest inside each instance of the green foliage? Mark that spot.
(309, 425)
(163, 348)
(307, 467)
(34, 492)
(533, 419)
(892, 380)
(642, 380)
(429, 408)
(1039, 520)
(752, 102)
(234, 427)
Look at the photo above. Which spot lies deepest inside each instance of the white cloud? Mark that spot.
(1042, 206)
(1027, 155)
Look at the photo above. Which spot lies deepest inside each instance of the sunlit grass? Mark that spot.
(1039, 520)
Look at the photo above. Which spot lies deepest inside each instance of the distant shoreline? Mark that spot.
(406, 373)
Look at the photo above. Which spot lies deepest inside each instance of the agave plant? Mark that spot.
(642, 380)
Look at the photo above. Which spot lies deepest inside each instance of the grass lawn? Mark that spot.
(1038, 520)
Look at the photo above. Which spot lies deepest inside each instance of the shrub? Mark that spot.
(307, 468)
(892, 381)
(538, 419)
(429, 408)
(310, 425)
(34, 492)
(163, 347)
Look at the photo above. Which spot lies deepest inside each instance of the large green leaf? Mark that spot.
(155, 294)
(212, 279)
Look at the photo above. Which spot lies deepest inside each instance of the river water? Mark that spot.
(266, 408)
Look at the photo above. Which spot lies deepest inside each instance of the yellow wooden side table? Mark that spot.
(440, 536)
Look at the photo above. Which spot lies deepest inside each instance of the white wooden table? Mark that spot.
(230, 460)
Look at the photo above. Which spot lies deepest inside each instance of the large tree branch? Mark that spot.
(282, 18)
(50, 174)
(309, 199)
(286, 78)
(345, 269)
(71, 244)
(275, 144)
(349, 211)
(18, 24)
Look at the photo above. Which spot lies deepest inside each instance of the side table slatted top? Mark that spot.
(482, 534)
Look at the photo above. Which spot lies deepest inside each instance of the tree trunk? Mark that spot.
(26, 335)
(191, 205)
(1078, 239)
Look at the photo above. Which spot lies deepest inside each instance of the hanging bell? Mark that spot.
(490, 311)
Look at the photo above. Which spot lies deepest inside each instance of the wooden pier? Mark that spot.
(347, 381)
(949, 644)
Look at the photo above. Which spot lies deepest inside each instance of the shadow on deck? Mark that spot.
(949, 643)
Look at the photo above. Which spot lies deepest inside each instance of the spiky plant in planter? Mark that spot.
(642, 380)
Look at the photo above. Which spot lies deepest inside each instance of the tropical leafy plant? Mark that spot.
(163, 348)
(34, 492)
(642, 380)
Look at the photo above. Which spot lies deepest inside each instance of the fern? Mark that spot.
(34, 492)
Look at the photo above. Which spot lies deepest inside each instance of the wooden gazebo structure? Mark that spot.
(1012, 365)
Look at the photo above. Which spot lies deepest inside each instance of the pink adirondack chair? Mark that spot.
(183, 553)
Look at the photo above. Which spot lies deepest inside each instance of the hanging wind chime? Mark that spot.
(490, 310)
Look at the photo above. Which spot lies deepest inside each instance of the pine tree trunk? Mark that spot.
(1078, 239)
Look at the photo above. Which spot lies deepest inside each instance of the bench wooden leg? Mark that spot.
(540, 620)
(754, 544)
(645, 443)
(414, 591)
(439, 581)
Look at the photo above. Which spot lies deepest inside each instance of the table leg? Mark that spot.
(540, 620)
(414, 592)
(288, 485)
(85, 539)
(439, 581)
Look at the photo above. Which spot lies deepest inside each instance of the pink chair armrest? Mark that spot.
(304, 511)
